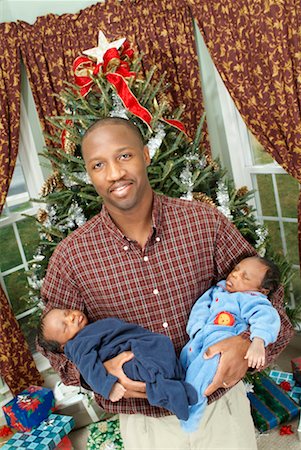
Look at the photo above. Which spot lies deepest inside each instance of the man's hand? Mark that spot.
(134, 389)
(232, 365)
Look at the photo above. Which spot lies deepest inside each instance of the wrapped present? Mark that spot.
(296, 368)
(65, 444)
(29, 408)
(45, 437)
(105, 435)
(287, 382)
(270, 404)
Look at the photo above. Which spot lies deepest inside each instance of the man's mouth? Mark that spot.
(120, 188)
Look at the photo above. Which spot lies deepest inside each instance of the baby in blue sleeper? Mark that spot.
(227, 309)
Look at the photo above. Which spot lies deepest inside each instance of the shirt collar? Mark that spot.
(156, 217)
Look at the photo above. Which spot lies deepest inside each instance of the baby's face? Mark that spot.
(61, 325)
(246, 276)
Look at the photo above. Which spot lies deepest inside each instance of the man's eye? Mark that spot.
(98, 165)
(125, 156)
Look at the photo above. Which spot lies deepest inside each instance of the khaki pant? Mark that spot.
(226, 424)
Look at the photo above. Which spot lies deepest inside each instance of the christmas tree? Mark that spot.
(109, 83)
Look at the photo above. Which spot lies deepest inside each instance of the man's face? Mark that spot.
(61, 325)
(116, 162)
(246, 276)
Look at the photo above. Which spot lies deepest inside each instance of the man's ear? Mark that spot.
(62, 348)
(147, 158)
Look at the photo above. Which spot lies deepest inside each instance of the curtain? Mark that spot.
(161, 30)
(17, 366)
(256, 47)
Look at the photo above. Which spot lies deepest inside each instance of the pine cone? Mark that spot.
(69, 146)
(241, 192)
(201, 197)
(53, 182)
(42, 215)
(212, 163)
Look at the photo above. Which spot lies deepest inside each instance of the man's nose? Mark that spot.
(114, 171)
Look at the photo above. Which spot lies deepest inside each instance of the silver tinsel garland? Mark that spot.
(223, 199)
(192, 162)
(155, 141)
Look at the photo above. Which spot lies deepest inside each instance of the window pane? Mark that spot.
(275, 237)
(259, 155)
(28, 325)
(9, 255)
(16, 285)
(29, 236)
(266, 192)
(18, 197)
(288, 189)
(291, 235)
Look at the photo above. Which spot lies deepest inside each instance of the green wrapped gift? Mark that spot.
(270, 404)
(105, 435)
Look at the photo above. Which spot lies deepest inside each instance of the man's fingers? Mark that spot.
(135, 386)
(210, 352)
(134, 394)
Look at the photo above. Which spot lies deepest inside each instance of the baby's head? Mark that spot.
(58, 326)
(254, 274)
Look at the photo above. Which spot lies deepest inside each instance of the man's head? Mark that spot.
(58, 326)
(254, 274)
(116, 161)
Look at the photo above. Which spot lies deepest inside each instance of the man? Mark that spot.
(146, 259)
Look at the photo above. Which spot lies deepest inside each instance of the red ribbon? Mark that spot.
(285, 385)
(116, 69)
(5, 431)
(286, 429)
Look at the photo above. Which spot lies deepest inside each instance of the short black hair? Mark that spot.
(47, 344)
(272, 276)
(114, 121)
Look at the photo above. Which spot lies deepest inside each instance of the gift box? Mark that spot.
(29, 408)
(105, 435)
(65, 444)
(45, 437)
(287, 382)
(296, 368)
(270, 405)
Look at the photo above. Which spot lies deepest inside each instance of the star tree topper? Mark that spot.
(103, 46)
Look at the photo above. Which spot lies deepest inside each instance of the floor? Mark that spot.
(266, 441)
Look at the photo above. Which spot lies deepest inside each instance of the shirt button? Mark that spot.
(155, 291)
(125, 247)
(165, 324)
(145, 258)
(158, 239)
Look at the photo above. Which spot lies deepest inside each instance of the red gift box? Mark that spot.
(65, 444)
(296, 369)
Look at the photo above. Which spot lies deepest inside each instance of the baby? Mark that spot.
(226, 310)
(89, 345)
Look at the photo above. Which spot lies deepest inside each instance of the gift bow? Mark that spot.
(285, 385)
(286, 429)
(115, 67)
(24, 398)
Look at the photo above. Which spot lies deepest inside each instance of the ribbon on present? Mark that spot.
(285, 385)
(25, 398)
(5, 431)
(116, 69)
(286, 429)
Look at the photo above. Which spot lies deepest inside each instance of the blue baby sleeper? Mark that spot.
(215, 316)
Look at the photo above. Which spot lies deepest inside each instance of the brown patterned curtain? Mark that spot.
(16, 363)
(160, 29)
(256, 47)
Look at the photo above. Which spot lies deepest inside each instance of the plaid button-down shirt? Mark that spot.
(99, 271)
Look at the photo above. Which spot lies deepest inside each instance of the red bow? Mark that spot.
(286, 429)
(5, 431)
(285, 385)
(116, 69)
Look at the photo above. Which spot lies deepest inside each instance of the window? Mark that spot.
(276, 196)
(18, 234)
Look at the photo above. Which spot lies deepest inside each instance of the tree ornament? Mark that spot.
(53, 182)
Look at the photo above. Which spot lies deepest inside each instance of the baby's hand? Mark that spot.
(117, 392)
(256, 354)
